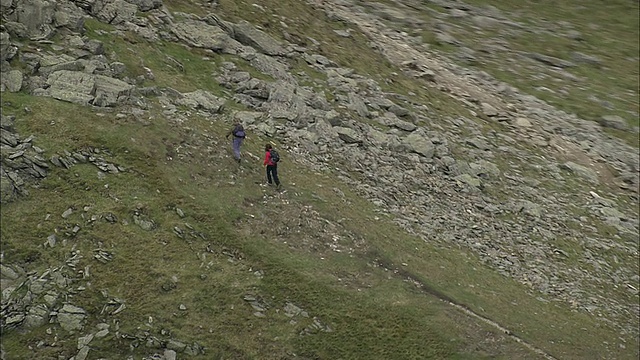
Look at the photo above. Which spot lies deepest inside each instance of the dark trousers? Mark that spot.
(272, 174)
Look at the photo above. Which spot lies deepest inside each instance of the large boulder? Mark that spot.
(12, 80)
(68, 15)
(51, 63)
(72, 86)
(113, 11)
(581, 171)
(348, 135)
(7, 50)
(613, 122)
(201, 35)
(420, 144)
(248, 35)
(110, 91)
(36, 16)
(201, 99)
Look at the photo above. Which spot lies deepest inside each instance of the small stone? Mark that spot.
(175, 345)
(523, 122)
(67, 213)
(342, 33)
(183, 307)
(489, 110)
(84, 341)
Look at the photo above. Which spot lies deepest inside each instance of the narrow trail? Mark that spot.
(426, 289)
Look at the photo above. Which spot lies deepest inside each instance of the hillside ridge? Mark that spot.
(446, 152)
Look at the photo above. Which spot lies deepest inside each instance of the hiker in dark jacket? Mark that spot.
(238, 137)
(271, 162)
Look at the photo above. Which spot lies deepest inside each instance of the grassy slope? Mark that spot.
(375, 313)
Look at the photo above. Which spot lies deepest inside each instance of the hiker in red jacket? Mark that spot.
(271, 159)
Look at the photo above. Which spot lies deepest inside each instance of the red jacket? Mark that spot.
(267, 159)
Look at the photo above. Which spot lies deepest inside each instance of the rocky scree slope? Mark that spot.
(540, 195)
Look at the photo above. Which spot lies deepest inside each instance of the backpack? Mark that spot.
(275, 157)
(238, 131)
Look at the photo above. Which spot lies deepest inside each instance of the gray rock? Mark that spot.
(51, 63)
(401, 124)
(176, 345)
(35, 16)
(201, 99)
(114, 11)
(110, 92)
(84, 341)
(7, 273)
(581, 171)
(69, 16)
(248, 35)
(247, 117)
(420, 144)
(614, 122)
(479, 143)
(378, 137)
(523, 122)
(67, 213)
(357, 104)
(94, 46)
(529, 208)
(38, 315)
(201, 35)
(398, 110)
(6, 5)
(343, 33)
(82, 354)
(6, 47)
(270, 66)
(13, 80)
(169, 354)
(144, 224)
(469, 180)
(71, 317)
(489, 110)
(484, 168)
(348, 135)
(14, 320)
(71, 86)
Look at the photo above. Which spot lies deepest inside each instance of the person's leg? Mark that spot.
(236, 148)
(275, 175)
(269, 170)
